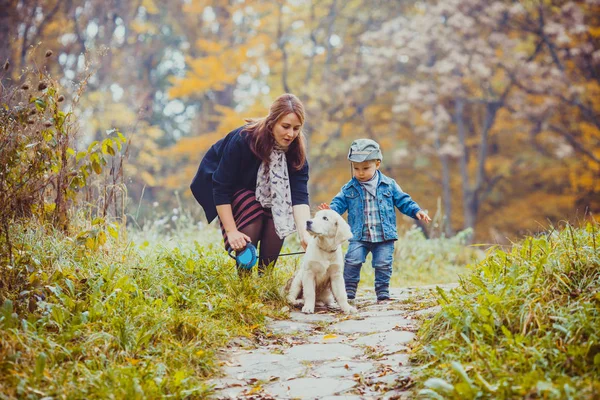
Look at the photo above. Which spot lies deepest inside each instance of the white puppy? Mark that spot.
(322, 270)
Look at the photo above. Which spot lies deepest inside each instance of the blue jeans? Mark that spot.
(383, 256)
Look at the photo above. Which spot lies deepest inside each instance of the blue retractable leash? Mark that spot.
(247, 258)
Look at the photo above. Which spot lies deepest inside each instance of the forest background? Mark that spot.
(487, 111)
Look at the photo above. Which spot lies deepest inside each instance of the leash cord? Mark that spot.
(280, 255)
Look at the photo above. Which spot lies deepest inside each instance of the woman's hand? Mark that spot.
(301, 215)
(303, 239)
(237, 240)
(422, 216)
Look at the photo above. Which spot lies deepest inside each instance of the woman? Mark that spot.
(256, 180)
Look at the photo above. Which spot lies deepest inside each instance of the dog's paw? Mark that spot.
(333, 306)
(308, 309)
(349, 310)
(298, 302)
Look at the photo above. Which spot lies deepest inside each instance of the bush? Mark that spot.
(43, 176)
(523, 324)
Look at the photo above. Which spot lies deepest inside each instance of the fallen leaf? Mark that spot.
(255, 389)
(329, 336)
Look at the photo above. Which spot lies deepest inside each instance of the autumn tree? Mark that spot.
(461, 66)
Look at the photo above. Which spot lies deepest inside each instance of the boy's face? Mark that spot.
(363, 171)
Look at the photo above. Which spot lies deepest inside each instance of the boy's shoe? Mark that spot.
(383, 299)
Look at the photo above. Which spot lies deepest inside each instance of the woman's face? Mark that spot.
(287, 129)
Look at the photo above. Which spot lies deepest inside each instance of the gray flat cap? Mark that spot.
(364, 150)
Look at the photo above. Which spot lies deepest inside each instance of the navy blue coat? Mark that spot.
(230, 165)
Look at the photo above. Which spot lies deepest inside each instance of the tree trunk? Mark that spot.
(467, 193)
(472, 195)
(446, 191)
(447, 196)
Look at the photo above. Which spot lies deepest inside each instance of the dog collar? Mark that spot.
(329, 251)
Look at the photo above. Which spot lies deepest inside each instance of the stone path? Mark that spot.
(329, 355)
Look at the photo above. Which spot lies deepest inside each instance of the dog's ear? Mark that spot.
(343, 231)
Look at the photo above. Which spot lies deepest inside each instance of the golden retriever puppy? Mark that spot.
(322, 270)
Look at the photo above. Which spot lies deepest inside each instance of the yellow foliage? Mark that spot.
(195, 7)
(592, 92)
(198, 6)
(209, 46)
(583, 179)
(213, 72)
(589, 131)
(506, 124)
(118, 115)
(387, 143)
(145, 158)
(594, 31)
(153, 132)
(142, 27)
(57, 27)
(147, 178)
(228, 120)
(150, 6)
(193, 146)
(183, 178)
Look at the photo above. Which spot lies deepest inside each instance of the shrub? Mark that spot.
(44, 177)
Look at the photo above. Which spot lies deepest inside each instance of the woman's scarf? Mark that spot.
(273, 191)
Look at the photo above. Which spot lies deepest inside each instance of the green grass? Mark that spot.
(421, 261)
(143, 314)
(124, 322)
(523, 324)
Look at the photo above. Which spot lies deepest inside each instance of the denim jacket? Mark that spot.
(389, 195)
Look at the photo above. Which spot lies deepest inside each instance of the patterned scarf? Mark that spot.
(273, 191)
(371, 185)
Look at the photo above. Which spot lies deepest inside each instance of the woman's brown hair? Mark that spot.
(261, 131)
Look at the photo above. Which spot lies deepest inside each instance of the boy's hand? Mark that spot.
(422, 216)
(323, 206)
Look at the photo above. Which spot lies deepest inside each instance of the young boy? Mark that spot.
(370, 198)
